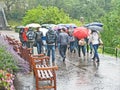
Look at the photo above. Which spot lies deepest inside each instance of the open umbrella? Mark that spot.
(20, 27)
(80, 32)
(94, 24)
(44, 30)
(95, 28)
(70, 25)
(34, 25)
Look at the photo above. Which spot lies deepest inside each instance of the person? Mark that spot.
(51, 39)
(71, 39)
(20, 35)
(58, 39)
(81, 44)
(64, 40)
(72, 43)
(94, 40)
(31, 37)
(38, 40)
(24, 37)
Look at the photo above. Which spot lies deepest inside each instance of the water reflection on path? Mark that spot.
(79, 74)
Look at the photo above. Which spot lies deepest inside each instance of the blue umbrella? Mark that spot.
(94, 24)
(70, 25)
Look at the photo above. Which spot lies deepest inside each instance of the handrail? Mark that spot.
(116, 51)
(6, 23)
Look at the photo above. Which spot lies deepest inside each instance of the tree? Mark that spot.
(9, 4)
(46, 15)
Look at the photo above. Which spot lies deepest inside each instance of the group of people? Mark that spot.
(62, 39)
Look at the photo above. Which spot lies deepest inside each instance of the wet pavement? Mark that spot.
(79, 74)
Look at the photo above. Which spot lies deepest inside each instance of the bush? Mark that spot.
(6, 60)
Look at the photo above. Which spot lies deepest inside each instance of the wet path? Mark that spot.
(79, 74)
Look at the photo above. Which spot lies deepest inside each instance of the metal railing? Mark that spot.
(110, 50)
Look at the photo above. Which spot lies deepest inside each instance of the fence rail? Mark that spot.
(110, 50)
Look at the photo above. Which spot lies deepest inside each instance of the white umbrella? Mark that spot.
(20, 27)
(44, 30)
(34, 25)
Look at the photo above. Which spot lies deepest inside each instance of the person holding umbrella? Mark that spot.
(81, 33)
(94, 40)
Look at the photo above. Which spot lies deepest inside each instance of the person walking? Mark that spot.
(20, 35)
(24, 37)
(38, 40)
(81, 45)
(31, 37)
(51, 40)
(64, 40)
(94, 40)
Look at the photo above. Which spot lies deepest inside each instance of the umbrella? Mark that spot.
(34, 25)
(44, 30)
(70, 25)
(20, 27)
(67, 25)
(95, 28)
(94, 24)
(80, 32)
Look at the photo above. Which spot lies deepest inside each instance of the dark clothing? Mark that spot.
(63, 49)
(83, 47)
(30, 41)
(64, 40)
(51, 38)
(38, 39)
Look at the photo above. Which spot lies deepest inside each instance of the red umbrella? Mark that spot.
(80, 32)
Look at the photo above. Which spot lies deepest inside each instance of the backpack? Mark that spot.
(39, 36)
(30, 35)
(50, 37)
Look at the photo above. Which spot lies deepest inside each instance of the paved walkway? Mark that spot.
(79, 74)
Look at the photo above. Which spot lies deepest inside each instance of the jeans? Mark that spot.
(58, 45)
(83, 50)
(72, 46)
(51, 48)
(95, 47)
(39, 47)
(91, 47)
(63, 49)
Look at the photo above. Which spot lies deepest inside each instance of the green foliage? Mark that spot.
(111, 29)
(6, 60)
(46, 15)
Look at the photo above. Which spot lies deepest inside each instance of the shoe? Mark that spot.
(53, 63)
(63, 59)
(93, 59)
(90, 52)
(74, 51)
(97, 61)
